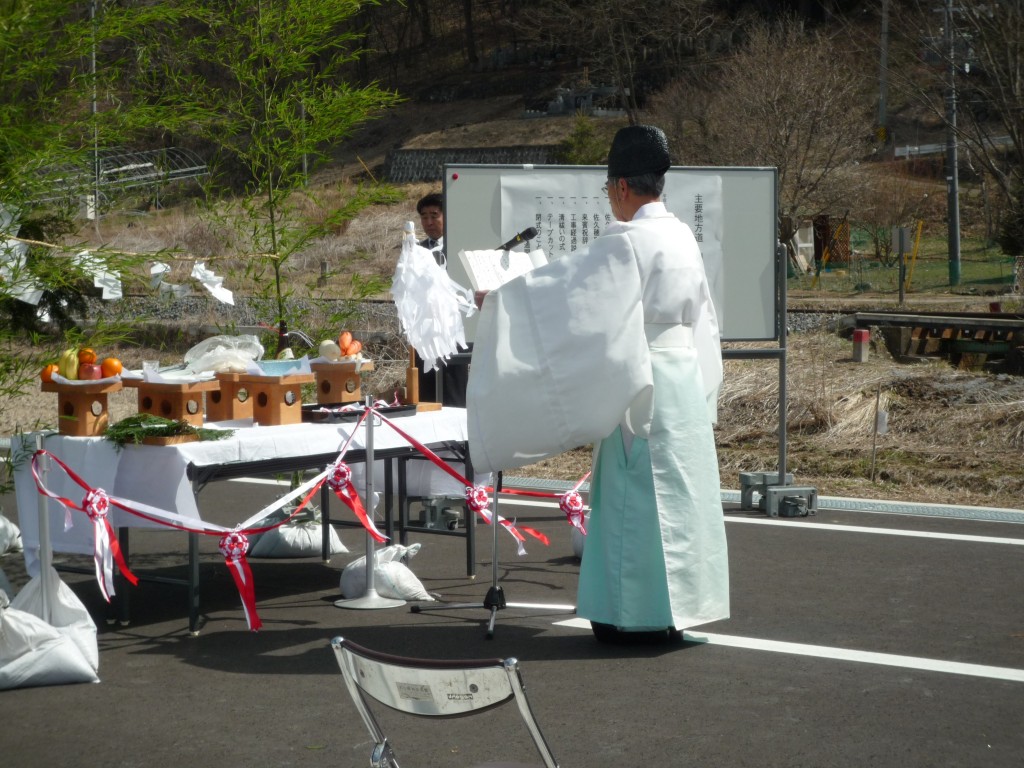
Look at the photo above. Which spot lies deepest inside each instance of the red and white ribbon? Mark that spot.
(96, 504)
(234, 546)
(571, 503)
(339, 480)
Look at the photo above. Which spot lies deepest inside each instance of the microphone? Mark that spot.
(522, 237)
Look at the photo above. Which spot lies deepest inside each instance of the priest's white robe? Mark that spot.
(617, 346)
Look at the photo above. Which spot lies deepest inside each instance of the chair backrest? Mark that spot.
(431, 688)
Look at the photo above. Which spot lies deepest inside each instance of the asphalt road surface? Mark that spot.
(856, 639)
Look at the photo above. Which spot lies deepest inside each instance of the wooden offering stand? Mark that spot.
(340, 382)
(232, 401)
(82, 408)
(412, 386)
(276, 400)
(181, 401)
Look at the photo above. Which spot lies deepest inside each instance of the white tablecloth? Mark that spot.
(156, 475)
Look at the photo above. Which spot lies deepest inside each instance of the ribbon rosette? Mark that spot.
(96, 505)
(477, 498)
(233, 546)
(339, 480)
(571, 503)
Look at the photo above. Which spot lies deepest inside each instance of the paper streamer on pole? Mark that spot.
(430, 305)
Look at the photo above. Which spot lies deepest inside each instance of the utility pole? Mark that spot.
(883, 77)
(952, 161)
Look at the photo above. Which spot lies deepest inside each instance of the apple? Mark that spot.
(90, 371)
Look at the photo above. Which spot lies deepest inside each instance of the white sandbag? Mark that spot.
(33, 653)
(66, 614)
(10, 537)
(301, 537)
(391, 576)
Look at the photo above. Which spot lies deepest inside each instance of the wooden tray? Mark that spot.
(169, 439)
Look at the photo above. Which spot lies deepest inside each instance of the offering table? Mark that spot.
(171, 477)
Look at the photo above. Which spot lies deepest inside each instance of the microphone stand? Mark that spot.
(494, 601)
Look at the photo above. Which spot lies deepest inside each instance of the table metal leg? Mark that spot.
(121, 586)
(325, 522)
(193, 583)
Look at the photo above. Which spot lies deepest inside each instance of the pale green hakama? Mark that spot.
(655, 553)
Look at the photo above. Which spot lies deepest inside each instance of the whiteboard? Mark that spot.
(732, 211)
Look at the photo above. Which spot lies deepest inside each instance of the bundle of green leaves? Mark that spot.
(134, 429)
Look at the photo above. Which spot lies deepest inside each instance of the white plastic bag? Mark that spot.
(391, 576)
(10, 537)
(224, 354)
(301, 537)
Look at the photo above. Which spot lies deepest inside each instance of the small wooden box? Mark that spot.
(180, 401)
(82, 409)
(232, 401)
(276, 400)
(340, 382)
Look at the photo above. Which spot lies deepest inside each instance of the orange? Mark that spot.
(111, 367)
(344, 340)
(48, 370)
(86, 355)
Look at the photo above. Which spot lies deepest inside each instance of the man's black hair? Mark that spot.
(434, 199)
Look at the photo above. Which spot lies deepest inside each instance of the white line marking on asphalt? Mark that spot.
(840, 654)
(259, 481)
(882, 531)
(520, 501)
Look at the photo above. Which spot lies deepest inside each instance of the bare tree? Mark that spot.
(786, 99)
(886, 200)
(984, 46)
(970, 79)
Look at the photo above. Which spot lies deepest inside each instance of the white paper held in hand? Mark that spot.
(488, 270)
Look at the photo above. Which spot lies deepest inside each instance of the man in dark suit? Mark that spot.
(431, 211)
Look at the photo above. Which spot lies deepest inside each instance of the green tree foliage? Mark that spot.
(583, 146)
(270, 76)
(62, 70)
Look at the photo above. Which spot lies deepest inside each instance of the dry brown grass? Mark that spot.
(954, 437)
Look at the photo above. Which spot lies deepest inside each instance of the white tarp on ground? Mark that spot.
(57, 651)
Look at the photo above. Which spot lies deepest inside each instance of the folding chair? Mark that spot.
(432, 688)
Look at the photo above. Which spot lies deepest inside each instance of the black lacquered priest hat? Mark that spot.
(638, 149)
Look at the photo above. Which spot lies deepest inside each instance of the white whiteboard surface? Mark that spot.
(731, 210)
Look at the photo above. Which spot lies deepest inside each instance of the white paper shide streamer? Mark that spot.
(430, 304)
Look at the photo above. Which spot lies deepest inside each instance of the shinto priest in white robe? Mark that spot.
(617, 346)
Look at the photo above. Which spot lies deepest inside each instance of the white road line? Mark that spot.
(841, 654)
(808, 526)
(259, 481)
(882, 531)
